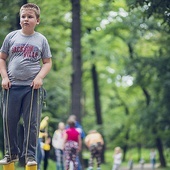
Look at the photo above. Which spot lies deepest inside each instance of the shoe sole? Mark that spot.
(3, 163)
(31, 164)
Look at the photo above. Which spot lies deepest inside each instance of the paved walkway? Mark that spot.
(138, 167)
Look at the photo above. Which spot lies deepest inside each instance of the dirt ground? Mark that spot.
(138, 167)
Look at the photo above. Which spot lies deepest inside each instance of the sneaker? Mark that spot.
(7, 159)
(31, 162)
(90, 168)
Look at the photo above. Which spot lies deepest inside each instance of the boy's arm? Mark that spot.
(6, 84)
(38, 81)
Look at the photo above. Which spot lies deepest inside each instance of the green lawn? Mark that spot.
(52, 166)
(108, 160)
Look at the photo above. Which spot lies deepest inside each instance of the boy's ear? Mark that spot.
(38, 21)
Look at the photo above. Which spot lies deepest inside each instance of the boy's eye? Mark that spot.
(23, 16)
(30, 16)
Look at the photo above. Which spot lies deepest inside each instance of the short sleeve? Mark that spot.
(46, 52)
(6, 43)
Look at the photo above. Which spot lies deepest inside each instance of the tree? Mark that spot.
(76, 84)
(97, 104)
(159, 8)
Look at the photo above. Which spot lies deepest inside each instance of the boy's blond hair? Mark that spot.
(33, 7)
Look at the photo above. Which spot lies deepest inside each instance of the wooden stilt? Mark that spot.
(10, 166)
(32, 167)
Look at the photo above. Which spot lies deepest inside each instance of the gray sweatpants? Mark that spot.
(17, 102)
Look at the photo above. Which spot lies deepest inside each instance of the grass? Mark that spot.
(52, 166)
(108, 160)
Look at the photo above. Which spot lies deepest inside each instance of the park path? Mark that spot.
(138, 167)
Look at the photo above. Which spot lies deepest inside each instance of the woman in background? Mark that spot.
(72, 144)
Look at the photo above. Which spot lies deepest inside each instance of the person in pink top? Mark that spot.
(72, 144)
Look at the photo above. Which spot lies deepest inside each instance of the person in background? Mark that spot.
(153, 158)
(142, 163)
(72, 144)
(42, 134)
(94, 141)
(130, 164)
(117, 156)
(57, 143)
(25, 60)
(79, 127)
(46, 147)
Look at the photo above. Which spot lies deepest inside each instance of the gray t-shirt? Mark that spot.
(24, 56)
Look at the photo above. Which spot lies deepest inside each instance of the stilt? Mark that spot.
(10, 166)
(32, 167)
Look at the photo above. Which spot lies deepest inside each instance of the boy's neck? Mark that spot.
(27, 32)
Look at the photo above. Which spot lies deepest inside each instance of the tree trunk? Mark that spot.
(160, 150)
(139, 151)
(125, 147)
(97, 104)
(96, 96)
(76, 84)
(147, 95)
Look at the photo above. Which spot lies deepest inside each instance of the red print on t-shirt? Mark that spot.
(28, 51)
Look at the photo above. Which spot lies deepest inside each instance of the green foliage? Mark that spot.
(159, 8)
(9, 16)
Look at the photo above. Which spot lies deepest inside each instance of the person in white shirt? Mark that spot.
(117, 156)
(58, 143)
(153, 158)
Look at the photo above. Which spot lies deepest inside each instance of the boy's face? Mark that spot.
(28, 20)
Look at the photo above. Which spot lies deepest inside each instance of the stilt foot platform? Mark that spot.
(10, 166)
(32, 167)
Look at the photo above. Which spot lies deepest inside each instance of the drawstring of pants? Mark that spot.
(5, 126)
(38, 117)
(29, 123)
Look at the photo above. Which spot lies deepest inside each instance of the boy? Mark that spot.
(22, 84)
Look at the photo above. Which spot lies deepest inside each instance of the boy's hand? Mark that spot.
(6, 84)
(37, 83)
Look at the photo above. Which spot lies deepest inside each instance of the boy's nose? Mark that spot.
(26, 18)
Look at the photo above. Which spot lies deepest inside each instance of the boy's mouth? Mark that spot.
(26, 23)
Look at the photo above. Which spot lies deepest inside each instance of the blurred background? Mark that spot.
(111, 68)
